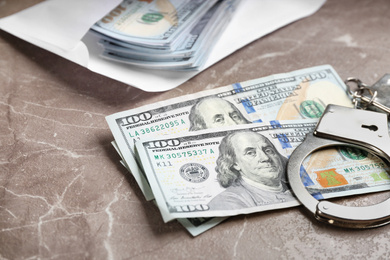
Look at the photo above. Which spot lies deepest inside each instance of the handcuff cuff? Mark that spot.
(353, 127)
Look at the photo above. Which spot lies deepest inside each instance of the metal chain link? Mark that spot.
(362, 101)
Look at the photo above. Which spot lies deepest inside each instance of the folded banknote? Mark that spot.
(242, 169)
(301, 94)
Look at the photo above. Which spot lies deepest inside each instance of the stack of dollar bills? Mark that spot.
(188, 154)
(162, 34)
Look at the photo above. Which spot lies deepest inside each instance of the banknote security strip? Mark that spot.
(342, 126)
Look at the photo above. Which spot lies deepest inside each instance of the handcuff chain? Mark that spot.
(358, 99)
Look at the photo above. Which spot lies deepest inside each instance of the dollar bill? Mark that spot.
(302, 94)
(191, 63)
(343, 171)
(195, 226)
(199, 55)
(242, 169)
(198, 38)
(153, 23)
(192, 52)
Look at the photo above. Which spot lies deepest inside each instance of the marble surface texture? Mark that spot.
(64, 194)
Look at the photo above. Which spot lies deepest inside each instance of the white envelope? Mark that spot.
(62, 27)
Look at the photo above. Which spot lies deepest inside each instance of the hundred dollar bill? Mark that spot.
(301, 94)
(199, 55)
(195, 226)
(194, 42)
(152, 23)
(240, 170)
(344, 171)
(192, 53)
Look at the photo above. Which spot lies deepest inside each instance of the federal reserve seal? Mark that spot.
(194, 172)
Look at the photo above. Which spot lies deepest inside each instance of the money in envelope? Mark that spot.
(61, 27)
(163, 35)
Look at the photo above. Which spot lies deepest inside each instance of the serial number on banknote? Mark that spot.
(365, 167)
(184, 154)
(156, 128)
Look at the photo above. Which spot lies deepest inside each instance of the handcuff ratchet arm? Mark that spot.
(342, 126)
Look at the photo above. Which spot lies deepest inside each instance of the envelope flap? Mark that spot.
(60, 23)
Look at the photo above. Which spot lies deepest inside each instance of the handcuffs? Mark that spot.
(343, 126)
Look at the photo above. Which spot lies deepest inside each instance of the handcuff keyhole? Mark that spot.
(370, 127)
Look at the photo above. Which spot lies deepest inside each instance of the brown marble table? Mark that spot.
(64, 194)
